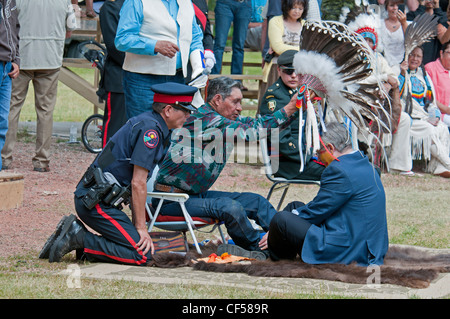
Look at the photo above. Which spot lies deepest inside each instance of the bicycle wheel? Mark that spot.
(92, 132)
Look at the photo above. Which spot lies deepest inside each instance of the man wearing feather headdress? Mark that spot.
(330, 63)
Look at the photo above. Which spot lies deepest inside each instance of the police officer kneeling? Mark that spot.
(117, 176)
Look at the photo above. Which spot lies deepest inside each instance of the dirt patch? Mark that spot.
(47, 196)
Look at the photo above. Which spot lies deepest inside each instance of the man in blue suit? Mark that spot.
(345, 222)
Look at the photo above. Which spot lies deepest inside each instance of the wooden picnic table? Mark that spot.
(89, 29)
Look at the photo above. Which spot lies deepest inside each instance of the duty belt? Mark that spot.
(169, 189)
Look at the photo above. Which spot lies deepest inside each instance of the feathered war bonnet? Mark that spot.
(363, 20)
(331, 61)
(366, 25)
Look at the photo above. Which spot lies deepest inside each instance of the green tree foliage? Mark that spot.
(331, 9)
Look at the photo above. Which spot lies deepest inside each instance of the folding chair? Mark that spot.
(177, 223)
(279, 183)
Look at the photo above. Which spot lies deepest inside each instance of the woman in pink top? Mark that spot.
(440, 75)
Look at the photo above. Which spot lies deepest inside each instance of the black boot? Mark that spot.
(71, 238)
(64, 222)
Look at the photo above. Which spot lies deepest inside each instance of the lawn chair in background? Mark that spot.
(183, 223)
(279, 183)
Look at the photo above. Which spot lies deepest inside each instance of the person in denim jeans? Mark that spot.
(160, 39)
(9, 60)
(238, 12)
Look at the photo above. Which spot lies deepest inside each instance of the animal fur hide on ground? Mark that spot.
(404, 266)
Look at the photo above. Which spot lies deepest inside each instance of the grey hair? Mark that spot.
(223, 86)
(337, 135)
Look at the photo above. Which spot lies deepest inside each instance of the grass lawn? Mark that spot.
(70, 107)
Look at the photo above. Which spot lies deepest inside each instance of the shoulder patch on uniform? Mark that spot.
(151, 138)
(272, 105)
(270, 96)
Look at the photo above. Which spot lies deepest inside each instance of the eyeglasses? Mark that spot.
(287, 71)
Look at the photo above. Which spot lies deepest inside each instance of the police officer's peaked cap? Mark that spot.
(286, 59)
(174, 93)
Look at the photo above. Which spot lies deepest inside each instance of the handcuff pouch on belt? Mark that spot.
(103, 187)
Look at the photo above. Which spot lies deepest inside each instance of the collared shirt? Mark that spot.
(142, 141)
(131, 16)
(200, 150)
(441, 81)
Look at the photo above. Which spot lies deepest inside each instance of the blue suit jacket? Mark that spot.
(348, 215)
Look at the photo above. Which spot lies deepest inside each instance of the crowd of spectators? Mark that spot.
(393, 18)
(272, 27)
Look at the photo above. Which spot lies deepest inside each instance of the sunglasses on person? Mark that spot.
(288, 71)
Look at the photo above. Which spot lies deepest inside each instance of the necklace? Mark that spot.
(393, 25)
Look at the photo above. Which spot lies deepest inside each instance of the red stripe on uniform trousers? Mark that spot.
(122, 231)
(106, 124)
(122, 260)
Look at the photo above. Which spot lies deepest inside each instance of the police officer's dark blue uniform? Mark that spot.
(143, 142)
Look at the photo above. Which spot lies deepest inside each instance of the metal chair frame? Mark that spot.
(189, 224)
(279, 183)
